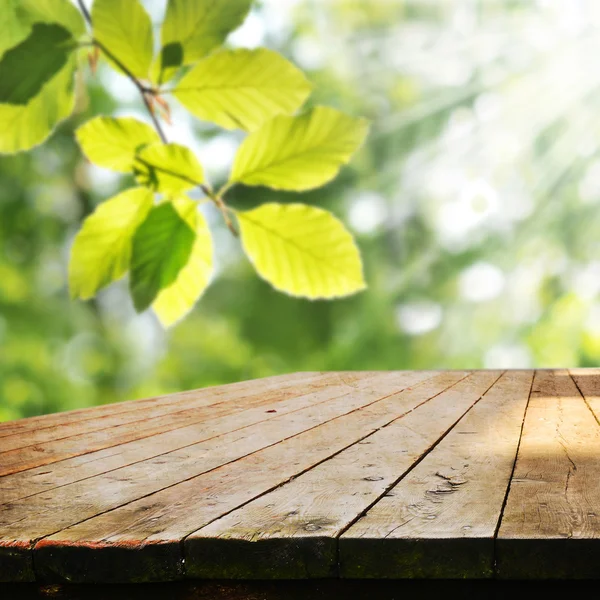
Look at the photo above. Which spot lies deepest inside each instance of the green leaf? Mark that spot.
(24, 126)
(167, 63)
(125, 29)
(175, 301)
(299, 153)
(162, 246)
(61, 12)
(242, 88)
(192, 28)
(102, 248)
(112, 143)
(301, 250)
(168, 168)
(27, 67)
(14, 26)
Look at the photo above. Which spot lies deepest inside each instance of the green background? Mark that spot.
(474, 202)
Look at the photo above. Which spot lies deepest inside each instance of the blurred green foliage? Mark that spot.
(474, 202)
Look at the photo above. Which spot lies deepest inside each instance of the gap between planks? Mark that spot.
(550, 526)
(93, 412)
(36, 519)
(228, 419)
(247, 543)
(587, 398)
(25, 450)
(119, 540)
(159, 517)
(207, 558)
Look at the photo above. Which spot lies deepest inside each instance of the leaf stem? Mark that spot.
(145, 92)
(84, 10)
(218, 200)
(225, 189)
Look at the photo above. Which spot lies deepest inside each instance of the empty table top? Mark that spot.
(341, 475)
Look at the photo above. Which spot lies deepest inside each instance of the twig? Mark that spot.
(144, 91)
(216, 198)
(85, 12)
(148, 91)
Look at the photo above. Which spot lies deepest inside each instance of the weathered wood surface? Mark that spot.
(46, 445)
(372, 475)
(96, 412)
(551, 524)
(293, 530)
(439, 521)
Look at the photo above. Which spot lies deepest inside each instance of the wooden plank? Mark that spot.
(551, 523)
(198, 426)
(440, 520)
(95, 412)
(44, 514)
(141, 540)
(588, 383)
(35, 439)
(182, 414)
(292, 531)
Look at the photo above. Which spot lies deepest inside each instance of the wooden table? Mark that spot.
(325, 476)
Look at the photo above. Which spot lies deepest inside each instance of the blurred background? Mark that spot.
(475, 203)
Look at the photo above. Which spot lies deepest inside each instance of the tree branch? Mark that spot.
(84, 10)
(145, 92)
(220, 204)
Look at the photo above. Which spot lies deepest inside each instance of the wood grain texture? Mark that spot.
(439, 521)
(47, 513)
(158, 437)
(370, 475)
(95, 412)
(164, 518)
(588, 384)
(23, 451)
(136, 415)
(291, 532)
(551, 523)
